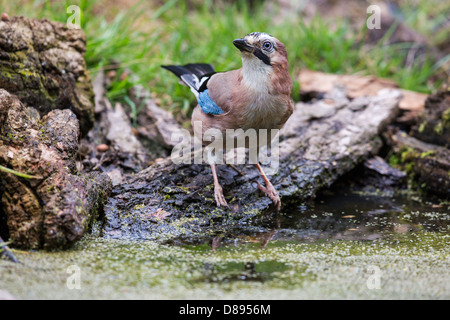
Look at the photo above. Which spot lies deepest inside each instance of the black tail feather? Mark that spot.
(198, 69)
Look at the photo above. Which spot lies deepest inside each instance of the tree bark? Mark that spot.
(429, 163)
(55, 206)
(42, 63)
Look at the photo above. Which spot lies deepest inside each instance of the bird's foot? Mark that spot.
(220, 199)
(272, 194)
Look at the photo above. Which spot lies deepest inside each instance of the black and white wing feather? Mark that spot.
(194, 75)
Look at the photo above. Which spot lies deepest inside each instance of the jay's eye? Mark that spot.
(267, 45)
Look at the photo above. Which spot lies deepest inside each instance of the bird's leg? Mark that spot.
(218, 193)
(269, 188)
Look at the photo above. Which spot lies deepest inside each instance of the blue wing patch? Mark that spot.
(207, 104)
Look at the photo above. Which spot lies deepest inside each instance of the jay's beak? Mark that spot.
(243, 45)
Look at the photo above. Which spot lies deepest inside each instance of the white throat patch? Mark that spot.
(255, 73)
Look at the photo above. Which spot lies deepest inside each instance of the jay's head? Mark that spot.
(261, 48)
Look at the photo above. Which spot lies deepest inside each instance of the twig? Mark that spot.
(100, 162)
(238, 171)
(4, 250)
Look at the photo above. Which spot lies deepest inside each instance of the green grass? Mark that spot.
(429, 18)
(143, 37)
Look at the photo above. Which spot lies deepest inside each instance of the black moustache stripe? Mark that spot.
(262, 56)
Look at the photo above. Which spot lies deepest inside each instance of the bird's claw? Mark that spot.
(220, 199)
(272, 194)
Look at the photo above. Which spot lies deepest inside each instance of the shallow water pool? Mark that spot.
(345, 245)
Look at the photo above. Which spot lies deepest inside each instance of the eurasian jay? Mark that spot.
(256, 96)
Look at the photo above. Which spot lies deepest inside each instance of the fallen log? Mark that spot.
(321, 141)
(316, 82)
(429, 163)
(433, 125)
